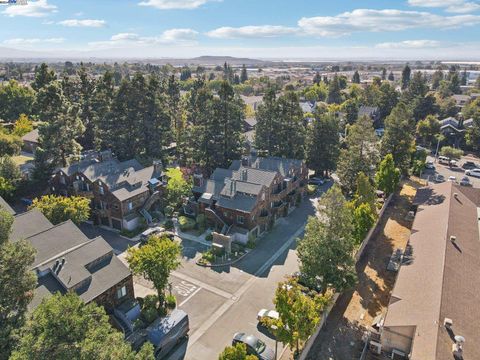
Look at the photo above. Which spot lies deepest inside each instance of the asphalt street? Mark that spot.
(222, 301)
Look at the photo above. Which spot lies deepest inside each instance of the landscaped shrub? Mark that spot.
(170, 301)
(209, 237)
(201, 221)
(208, 256)
(168, 224)
(186, 223)
(149, 315)
(168, 211)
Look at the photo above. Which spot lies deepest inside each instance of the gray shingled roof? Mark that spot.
(56, 240)
(254, 176)
(282, 165)
(239, 202)
(29, 224)
(5, 206)
(32, 136)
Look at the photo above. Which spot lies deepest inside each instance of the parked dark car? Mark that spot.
(254, 345)
(167, 332)
(469, 165)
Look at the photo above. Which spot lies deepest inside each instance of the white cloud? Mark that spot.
(83, 23)
(168, 37)
(40, 8)
(32, 41)
(454, 6)
(411, 44)
(175, 4)
(263, 31)
(381, 20)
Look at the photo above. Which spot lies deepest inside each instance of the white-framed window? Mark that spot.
(240, 219)
(225, 213)
(77, 177)
(53, 188)
(121, 292)
(100, 190)
(130, 206)
(263, 196)
(62, 179)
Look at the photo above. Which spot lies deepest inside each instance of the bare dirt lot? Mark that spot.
(354, 311)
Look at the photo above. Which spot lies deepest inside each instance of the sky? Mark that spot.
(274, 29)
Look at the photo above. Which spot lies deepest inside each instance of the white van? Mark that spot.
(444, 160)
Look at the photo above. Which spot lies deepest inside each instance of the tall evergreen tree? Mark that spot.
(291, 132)
(267, 123)
(356, 78)
(322, 145)
(62, 126)
(101, 105)
(399, 139)
(86, 114)
(406, 76)
(384, 74)
(334, 91)
(244, 74)
(43, 76)
(360, 154)
(391, 77)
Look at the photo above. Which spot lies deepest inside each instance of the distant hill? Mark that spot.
(217, 60)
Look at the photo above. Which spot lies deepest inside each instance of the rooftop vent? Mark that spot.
(453, 238)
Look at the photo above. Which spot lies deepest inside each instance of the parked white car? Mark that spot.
(271, 314)
(452, 179)
(473, 172)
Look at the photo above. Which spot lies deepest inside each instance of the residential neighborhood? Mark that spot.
(200, 180)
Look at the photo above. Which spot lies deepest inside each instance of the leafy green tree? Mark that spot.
(365, 193)
(356, 78)
(43, 167)
(360, 154)
(388, 176)
(236, 352)
(399, 137)
(101, 106)
(9, 144)
(15, 100)
(363, 219)
(155, 261)
(322, 144)
(177, 187)
(9, 169)
(6, 188)
(17, 283)
(43, 77)
(64, 327)
(451, 152)
(391, 77)
(473, 133)
(185, 74)
(22, 126)
(326, 250)
(58, 209)
(428, 129)
(406, 72)
(299, 314)
(86, 113)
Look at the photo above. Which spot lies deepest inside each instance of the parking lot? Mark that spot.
(447, 171)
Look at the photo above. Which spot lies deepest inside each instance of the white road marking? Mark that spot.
(202, 285)
(191, 296)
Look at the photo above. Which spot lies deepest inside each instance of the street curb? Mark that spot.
(225, 264)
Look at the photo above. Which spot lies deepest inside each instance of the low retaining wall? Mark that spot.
(358, 255)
